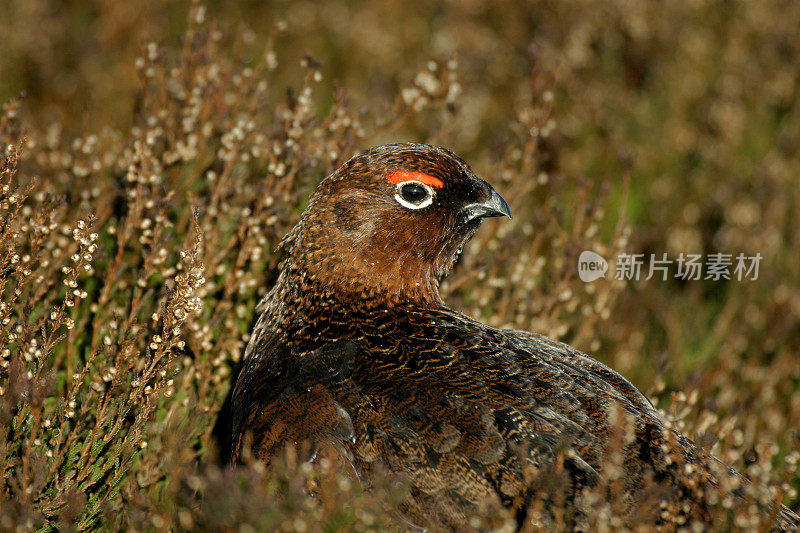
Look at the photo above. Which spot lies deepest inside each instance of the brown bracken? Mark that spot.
(356, 354)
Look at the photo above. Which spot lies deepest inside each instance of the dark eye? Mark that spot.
(414, 195)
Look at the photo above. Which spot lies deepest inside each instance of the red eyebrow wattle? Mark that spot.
(400, 176)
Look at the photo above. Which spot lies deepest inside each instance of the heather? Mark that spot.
(159, 153)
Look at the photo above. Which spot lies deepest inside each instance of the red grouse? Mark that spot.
(355, 351)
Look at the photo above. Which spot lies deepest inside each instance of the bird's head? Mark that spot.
(391, 221)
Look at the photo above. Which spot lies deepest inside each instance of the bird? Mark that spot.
(355, 353)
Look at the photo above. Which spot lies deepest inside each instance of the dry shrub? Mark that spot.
(136, 241)
(132, 265)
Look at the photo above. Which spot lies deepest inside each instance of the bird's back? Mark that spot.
(469, 415)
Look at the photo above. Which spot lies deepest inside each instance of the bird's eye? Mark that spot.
(414, 195)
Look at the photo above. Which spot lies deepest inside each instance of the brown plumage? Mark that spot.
(355, 351)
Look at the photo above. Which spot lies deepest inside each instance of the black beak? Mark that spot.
(494, 206)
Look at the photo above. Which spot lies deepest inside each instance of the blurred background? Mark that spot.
(619, 126)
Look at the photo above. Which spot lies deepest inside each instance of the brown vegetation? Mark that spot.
(144, 187)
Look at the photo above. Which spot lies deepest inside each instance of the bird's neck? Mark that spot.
(344, 282)
(318, 269)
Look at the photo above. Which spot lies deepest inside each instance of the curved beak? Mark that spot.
(494, 206)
